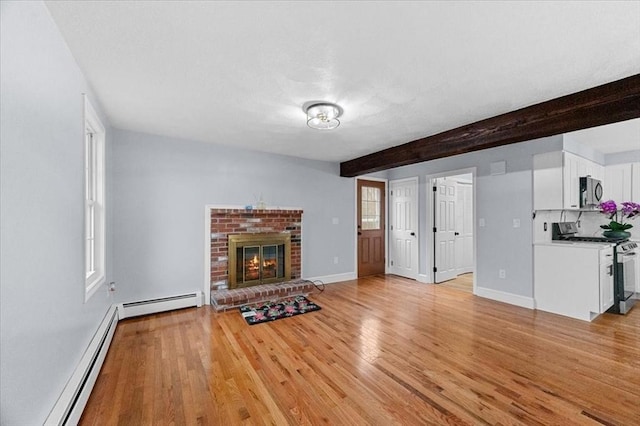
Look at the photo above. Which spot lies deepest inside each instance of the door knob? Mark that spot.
(413, 234)
(456, 233)
(359, 233)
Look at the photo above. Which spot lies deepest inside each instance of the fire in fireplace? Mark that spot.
(260, 262)
(256, 259)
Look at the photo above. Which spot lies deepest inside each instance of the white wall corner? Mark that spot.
(510, 298)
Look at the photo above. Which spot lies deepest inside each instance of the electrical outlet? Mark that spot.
(516, 223)
(481, 222)
(335, 221)
(335, 260)
(502, 273)
(112, 286)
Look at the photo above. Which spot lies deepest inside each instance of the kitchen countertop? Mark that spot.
(575, 244)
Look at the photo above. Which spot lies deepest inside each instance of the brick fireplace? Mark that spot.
(226, 222)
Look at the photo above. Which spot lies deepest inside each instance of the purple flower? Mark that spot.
(608, 207)
(630, 209)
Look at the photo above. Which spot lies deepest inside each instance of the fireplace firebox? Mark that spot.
(256, 259)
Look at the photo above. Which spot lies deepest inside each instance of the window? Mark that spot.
(370, 208)
(94, 218)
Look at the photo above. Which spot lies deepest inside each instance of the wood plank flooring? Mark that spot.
(462, 282)
(383, 351)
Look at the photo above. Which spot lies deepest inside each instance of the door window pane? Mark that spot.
(370, 208)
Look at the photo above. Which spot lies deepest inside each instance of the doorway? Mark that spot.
(452, 220)
(371, 223)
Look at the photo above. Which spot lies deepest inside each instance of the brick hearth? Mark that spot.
(227, 299)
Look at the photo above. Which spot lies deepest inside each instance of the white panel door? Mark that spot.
(403, 231)
(464, 228)
(445, 229)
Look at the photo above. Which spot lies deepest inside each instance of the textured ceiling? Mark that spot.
(238, 73)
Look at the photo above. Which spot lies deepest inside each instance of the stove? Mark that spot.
(589, 239)
(624, 272)
(566, 231)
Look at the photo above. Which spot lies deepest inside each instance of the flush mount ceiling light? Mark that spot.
(323, 115)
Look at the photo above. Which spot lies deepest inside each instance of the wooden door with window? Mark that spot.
(371, 228)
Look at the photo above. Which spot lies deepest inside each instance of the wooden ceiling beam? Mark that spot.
(609, 103)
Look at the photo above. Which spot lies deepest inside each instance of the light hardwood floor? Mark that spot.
(462, 282)
(383, 350)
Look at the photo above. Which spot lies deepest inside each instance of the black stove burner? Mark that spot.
(591, 239)
(566, 231)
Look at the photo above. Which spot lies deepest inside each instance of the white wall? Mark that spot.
(499, 200)
(623, 157)
(162, 186)
(569, 143)
(44, 323)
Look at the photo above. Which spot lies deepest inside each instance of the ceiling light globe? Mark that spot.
(323, 124)
(323, 116)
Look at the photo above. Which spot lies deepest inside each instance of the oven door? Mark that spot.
(627, 267)
(629, 272)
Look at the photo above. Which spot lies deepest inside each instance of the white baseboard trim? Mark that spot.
(423, 278)
(501, 296)
(328, 279)
(153, 306)
(69, 406)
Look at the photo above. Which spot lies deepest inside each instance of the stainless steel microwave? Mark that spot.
(590, 192)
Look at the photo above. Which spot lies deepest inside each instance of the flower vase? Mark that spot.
(617, 235)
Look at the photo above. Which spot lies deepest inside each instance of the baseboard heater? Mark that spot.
(74, 397)
(152, 306)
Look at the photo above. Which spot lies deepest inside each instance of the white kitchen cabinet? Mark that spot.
(556, 179)
(598, 171)
(574, 167)
(617, 182)
(606, 284)
(573, 279)
(638, 276)
(635, 182)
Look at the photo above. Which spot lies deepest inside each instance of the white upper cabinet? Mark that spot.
(635, 182)
(574, 167)
(617, 182)
(622, 182)
(556, 179)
